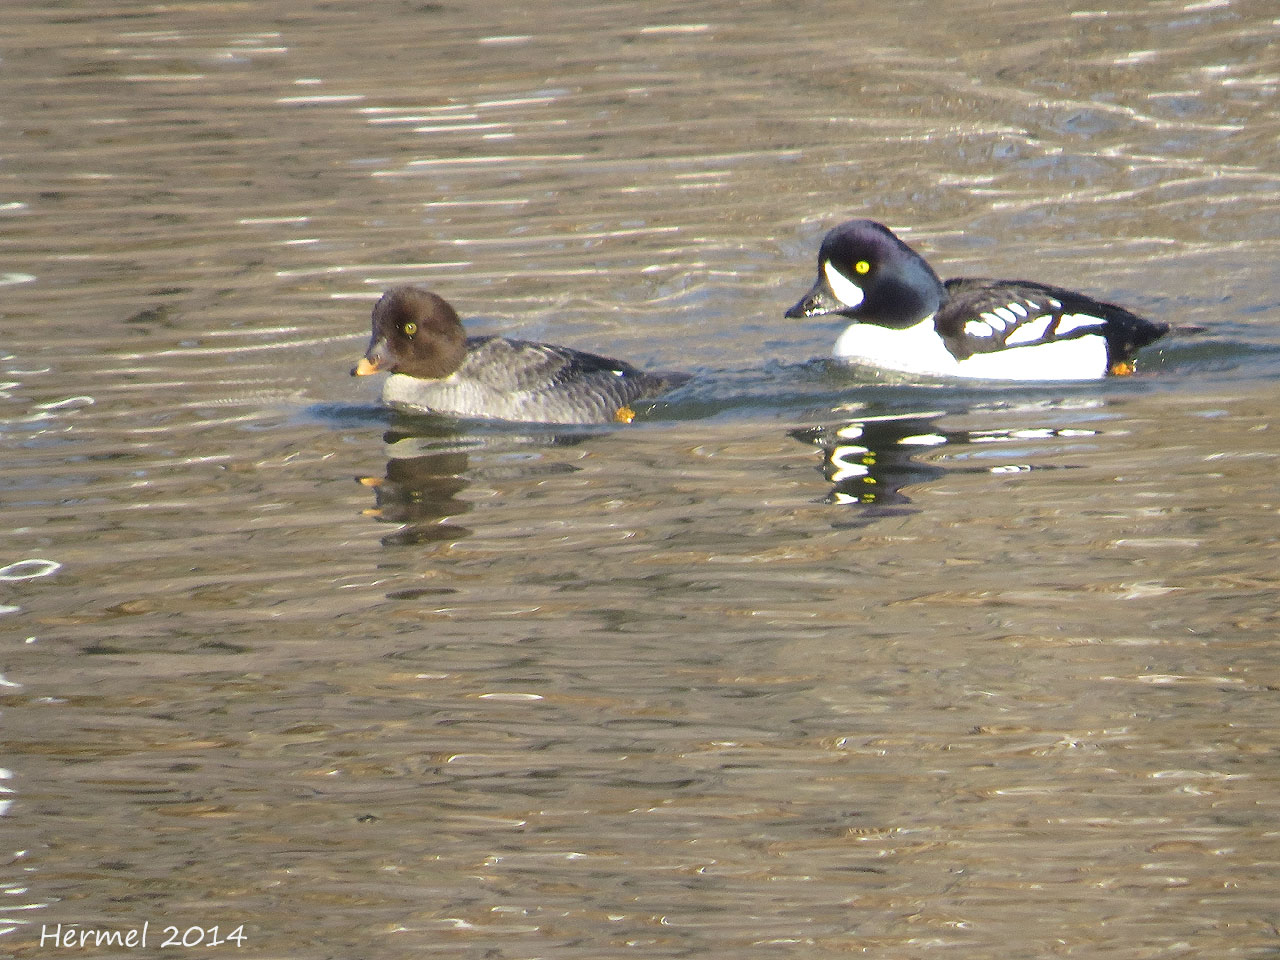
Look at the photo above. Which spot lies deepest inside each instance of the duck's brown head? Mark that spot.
(415, 332)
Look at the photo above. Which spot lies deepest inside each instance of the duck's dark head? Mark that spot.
(866, 273)
(415, 333)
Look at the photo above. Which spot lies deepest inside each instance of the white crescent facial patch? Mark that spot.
(846, 291)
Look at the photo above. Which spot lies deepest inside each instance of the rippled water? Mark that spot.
(799, 664)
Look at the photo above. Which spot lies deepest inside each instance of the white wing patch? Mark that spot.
(1074, 321)
(846, 291)
(998, 320)
(989, 323)
(1029, 332)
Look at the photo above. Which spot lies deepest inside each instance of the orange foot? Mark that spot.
(1121, 368)
(624, 415)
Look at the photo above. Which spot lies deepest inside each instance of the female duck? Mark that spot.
(436, 368)
(907, 320)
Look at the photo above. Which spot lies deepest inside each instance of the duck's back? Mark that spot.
(520, 380)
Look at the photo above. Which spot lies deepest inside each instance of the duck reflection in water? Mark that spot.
(421, 494)
(430, 465)
(871, 460)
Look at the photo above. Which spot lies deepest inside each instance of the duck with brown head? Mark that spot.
(435, 367)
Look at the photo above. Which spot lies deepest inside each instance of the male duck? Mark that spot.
(436, 368)
(907, 320)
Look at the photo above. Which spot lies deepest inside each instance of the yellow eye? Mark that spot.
(410, 328)
(861, 266)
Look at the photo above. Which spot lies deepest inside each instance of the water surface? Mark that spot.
(803, 662)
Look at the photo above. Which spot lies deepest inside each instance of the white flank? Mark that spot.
(846, 291)
(919, 350)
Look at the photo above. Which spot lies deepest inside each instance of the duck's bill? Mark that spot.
(374, 361)
(817, 302)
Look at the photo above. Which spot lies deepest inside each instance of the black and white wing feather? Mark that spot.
(984, 316)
